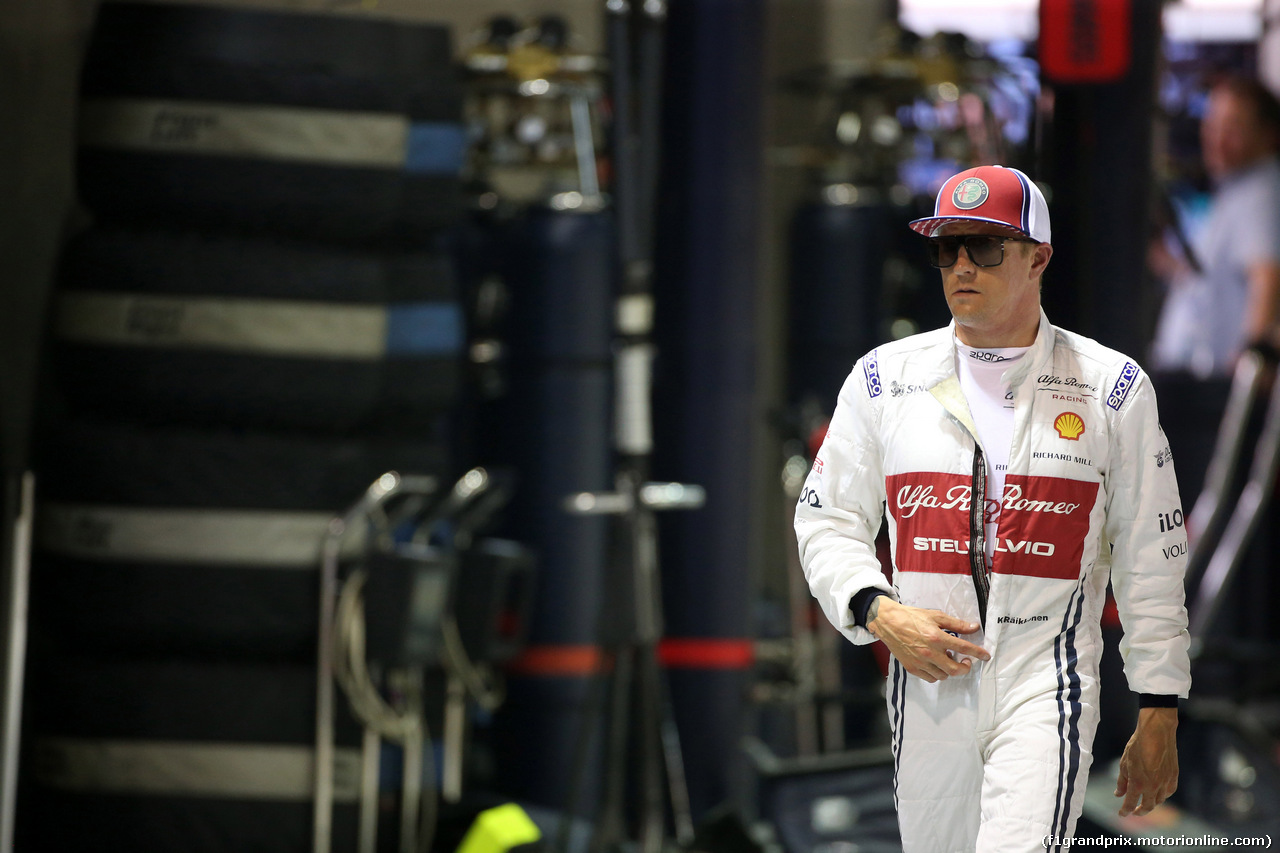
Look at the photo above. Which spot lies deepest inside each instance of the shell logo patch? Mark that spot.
(969, 193)
(1069, 426)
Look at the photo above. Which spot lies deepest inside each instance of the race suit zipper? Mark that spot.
(978, 533)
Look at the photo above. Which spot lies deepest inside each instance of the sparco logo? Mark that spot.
(982, 355)
(872, 371)
(1123, 384)
(912, 498)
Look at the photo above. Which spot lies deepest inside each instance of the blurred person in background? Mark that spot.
(1022, 466)
(1224, 295)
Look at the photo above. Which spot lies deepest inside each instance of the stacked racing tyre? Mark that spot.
(261, 320)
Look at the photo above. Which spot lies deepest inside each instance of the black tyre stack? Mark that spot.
(262, 320)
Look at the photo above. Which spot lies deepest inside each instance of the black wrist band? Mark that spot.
(1156, 700)
(861, 603)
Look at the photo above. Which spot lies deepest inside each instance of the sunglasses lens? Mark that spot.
(985, 251)
(943, 251)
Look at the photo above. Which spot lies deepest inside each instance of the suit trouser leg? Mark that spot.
(1036, 769)
(938, 761)
(1008, 789)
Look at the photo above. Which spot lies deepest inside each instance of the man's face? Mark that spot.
(1230, 134)
(995, 306)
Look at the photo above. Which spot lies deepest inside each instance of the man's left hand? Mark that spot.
(1149, 766)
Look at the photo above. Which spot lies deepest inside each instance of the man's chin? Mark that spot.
(965, 314)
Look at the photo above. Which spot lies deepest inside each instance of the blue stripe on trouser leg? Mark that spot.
(939, 765)
(896, 697)
(1073, 703)
(1024, 796)
(1066, 659)
(1039, 755)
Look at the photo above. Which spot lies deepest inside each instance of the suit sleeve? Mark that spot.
(1149, 549)
(839, 512)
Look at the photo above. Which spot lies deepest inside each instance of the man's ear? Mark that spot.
(1042, 252)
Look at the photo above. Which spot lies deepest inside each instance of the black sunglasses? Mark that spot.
(985, 250)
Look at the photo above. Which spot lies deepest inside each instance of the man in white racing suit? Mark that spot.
(992, 618)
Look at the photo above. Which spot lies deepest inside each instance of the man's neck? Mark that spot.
(979, 339)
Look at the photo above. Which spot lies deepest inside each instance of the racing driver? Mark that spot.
(1021, 466)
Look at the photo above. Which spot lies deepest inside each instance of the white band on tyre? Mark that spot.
(270, 539)
(248, 771)
(296, 134)
(264, 326)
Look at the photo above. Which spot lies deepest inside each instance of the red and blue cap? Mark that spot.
(992, 194)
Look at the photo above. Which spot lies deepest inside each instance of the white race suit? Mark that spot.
(998, 759)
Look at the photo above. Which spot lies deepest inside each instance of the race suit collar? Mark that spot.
(1039, 355)
(945, 387)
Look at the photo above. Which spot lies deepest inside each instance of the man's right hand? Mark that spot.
(918, 638)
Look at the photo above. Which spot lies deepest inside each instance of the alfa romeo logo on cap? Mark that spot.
(969, 193)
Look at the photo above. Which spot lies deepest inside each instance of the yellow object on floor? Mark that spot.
(499, 829)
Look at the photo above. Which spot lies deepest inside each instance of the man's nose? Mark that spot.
(964, 262)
